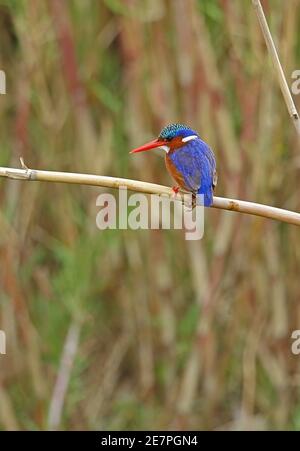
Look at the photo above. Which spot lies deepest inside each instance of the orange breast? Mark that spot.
(177, 176)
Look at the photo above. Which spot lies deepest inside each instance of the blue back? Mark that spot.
(197, 164)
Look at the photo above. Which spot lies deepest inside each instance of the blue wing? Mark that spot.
(196, 162)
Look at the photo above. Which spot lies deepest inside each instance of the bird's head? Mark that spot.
(172, 136)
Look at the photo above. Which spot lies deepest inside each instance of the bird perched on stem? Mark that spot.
(189, 160)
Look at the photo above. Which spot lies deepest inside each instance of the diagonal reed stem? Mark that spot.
(279, 71)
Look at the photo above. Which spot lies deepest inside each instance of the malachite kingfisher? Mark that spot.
(189, 160)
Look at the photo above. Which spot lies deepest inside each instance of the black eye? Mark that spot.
(165, 138)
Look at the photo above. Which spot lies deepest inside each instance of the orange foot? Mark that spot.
(175, 190)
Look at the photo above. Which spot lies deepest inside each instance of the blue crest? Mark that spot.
(173, 130)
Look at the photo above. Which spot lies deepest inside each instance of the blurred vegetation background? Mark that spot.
(143, 329)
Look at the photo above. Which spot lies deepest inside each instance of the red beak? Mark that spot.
(150, 145)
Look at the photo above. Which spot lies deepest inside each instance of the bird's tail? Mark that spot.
(207, 196)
